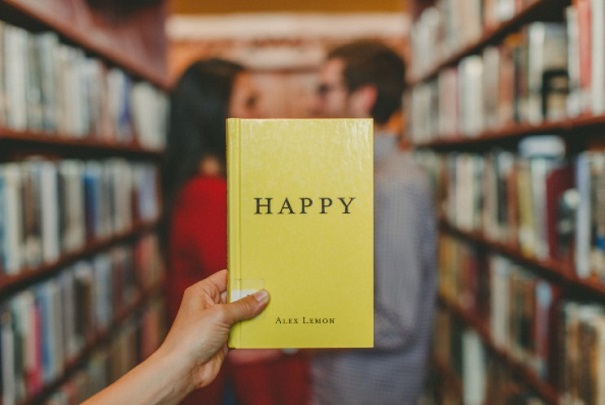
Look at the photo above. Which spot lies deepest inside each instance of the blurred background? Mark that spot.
(282, 42)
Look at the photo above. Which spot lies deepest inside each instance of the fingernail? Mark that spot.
(261, 296)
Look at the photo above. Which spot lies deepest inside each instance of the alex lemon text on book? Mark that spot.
(301, 225)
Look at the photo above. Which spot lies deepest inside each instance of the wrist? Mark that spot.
(179, 378)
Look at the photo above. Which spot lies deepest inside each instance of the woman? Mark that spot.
(195, 198)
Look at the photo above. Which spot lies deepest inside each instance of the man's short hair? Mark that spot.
(368, 62)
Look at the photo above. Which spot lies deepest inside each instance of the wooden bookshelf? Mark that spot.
(442, 95)
(493, 137)
(556, 272)
(542, 388)
(142, 45)
(26, 277)
(567, 128)
(99, 339)
(93, 145)
(493, 35)
(126, 47)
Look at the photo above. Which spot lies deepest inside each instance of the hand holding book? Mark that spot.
(193, 351)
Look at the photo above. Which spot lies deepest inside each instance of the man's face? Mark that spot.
(332, 97)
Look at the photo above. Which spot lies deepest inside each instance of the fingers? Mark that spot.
(219, 279)
(247, 307)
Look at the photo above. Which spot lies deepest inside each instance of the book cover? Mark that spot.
(300, 224)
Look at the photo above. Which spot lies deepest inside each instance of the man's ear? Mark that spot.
(362, 100)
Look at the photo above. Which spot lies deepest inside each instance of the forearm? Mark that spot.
(161, 379)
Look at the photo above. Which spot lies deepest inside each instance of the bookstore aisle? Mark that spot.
(508, 115)
(81, 136)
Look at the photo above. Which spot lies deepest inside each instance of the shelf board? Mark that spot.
(73, 28)
(47, 139)
(542, 388)
(566, 127)
(491, 36)
(553, 270)
(9, 283)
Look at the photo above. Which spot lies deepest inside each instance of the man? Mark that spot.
(361, 80)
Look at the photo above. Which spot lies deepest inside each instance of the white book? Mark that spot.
(52, 352)
(92, 89)
(34, 85)
(491, 85)
(473, 369)
(48, 43)
(15, 47)
(489, 210)
(597, 10)
(471, 95)
(102, 291)
(50, 209)
(75, 95)
(499, 268)
(11, 174)
(574, 99)
(506, 9)
(547, 51)
(3, 95)
(122, 184)
(73, 222)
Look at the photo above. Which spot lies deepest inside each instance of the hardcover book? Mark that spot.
(300, 224)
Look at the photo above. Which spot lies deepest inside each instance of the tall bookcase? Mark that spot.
(507, 111)
(82, 120)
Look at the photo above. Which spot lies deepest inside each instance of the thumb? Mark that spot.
(247, 307)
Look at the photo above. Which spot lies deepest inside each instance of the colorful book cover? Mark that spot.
(300, 224)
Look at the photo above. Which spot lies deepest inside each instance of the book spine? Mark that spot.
(233, 219)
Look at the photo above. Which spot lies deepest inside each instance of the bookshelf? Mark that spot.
(475, 104)
(82, 120)
(491, 35)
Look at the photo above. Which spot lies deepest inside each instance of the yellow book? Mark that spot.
(300, 224)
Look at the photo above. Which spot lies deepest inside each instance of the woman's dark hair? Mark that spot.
(199, 106)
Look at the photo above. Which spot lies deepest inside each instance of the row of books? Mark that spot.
(586, 56)
(139, 336)
(537, 201)
(582, 358)
(47, 326)
(515, 305)
(523, 80)
(547, 71)
(483, 376)
(451, 25)
(49, 208)
(51, 87)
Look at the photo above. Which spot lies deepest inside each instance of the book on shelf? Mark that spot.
(300, 224)
(582, 352)
(590, 220)
(48, 325)
(52, 87)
